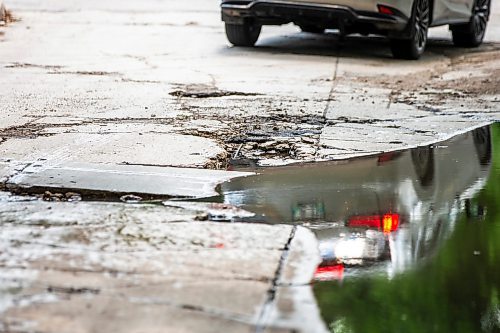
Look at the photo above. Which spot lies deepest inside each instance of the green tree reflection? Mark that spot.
(455, 291)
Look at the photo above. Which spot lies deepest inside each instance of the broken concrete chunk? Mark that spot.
(205, 91)
(123, 179)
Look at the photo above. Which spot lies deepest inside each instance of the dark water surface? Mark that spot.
(410, 241)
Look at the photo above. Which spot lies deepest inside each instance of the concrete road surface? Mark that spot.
(119, 97)
(156, 83)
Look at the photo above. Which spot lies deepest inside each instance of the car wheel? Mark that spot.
(3, 14)
(311, 29)
(471, 34)
(413, 47)
(423, 162)
(482, 142)
(245, 34)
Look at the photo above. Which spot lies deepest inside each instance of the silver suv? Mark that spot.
(404, 22)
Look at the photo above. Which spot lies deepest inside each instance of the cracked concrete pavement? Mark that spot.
(156, 83)
(100, 267)
(122, 97)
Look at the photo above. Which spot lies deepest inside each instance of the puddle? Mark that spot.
(409, 240)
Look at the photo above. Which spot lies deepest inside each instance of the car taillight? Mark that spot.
(329, 272)
(385, 10)
(386, 222)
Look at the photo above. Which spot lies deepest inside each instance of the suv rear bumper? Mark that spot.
(267, 12)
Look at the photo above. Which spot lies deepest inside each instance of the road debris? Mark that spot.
(205, 91)
(130, 198)
(68, 196)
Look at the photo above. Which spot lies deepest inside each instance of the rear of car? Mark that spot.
(404, 22)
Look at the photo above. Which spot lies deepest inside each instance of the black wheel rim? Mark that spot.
(480, 17)
(422, 23)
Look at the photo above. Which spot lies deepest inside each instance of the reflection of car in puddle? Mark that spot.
(375, 214)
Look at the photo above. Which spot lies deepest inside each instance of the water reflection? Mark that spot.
(385, 212)
(409, 240)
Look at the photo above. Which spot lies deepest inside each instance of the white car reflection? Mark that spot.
(375, 214)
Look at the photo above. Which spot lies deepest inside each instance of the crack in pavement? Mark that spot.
(91, 73)
(328, 101)
(29, 65)
(35, 128)
(265, 313)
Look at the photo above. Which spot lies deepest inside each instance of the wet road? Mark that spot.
(108, 96)
(410, 233)
(407, 239)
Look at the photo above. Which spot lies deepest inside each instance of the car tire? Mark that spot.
(472, 33)
(413, 47)
(3, 13)
(245, 34)
(311, 29)
(482, 141)
(423, 162)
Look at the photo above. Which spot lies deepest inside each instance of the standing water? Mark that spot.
(410, 240)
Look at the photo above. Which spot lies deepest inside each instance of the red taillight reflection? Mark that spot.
(330, 272)
(386, 222)
(390, 222)
(365, 221)
(385, 157)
